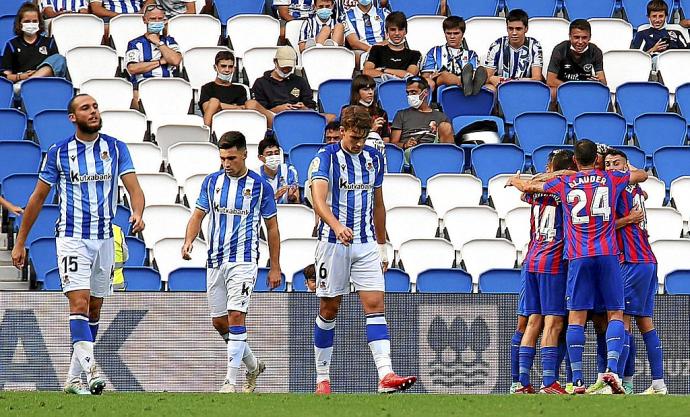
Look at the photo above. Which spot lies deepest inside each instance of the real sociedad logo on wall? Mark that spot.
(458, 349)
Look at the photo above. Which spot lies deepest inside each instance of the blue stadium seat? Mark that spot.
(608, 128)
(187, 279)
(678, 282)
(535, 129)
(636, 11)
(455, 103)
(459, 122)
(393, 97)
(44, 226)
(500, 281)
(43, 255)
(301, 156)
(397, 280)
(635, 155)
(13, 121)
(10, 7)
(430, 159)
(587, 9)
(534, 8)
(541, 155)
(415, 7)
(683, 99)
(6, 86)
(139, 278)
(227, 9)
(52, 126)
(444, 281)
(490, 160)
(262, 286)
(298, 284)
(519, 97)
(18, 156)
(40, 94)
(334, 94)
(637, 98)
(471, 8)
(671, 162)
(52, 280)
(294, 127)
(6, 28)
(17, 188)
(577, 97)
(395, 158)
(655, 130)
(122, 219)
(137, 251)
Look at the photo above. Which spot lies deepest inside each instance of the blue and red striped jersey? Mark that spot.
(589, 199)
(545, 253)
(633, 239)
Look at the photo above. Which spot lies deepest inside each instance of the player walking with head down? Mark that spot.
(348, 198)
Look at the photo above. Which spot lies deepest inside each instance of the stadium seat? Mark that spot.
(628, 65)
(136, 248)
(460, 122)
(193, 31)
(425, 32)
(228, 9)
(519, 97)
(394, 158)
(464, 224)
(504, 198)
(250, 122)
(161, 97)
(396, 280)
(47, 93)
(171, 134)
(110, 93)
(140, 278)
(334, 94)
(398, 224)
(18, 156)
(540, 155)
(295, 221)
(680, 194)
(264, 32)
(295, 254)
(430, 159)
(603, 127)
(682, 99)
(670, 162)
(534, 8)
(500, 281)
(663, 223)
(123, 28)
(80, 63)
(577, 97)
(301, 156)
(44, 226)
(549, 31)
(678, 282)
(126, 125)
(656, 192)
(490, 160)
(75, 29)
(146, 157)
(13, 124)
(535, 129)
(655, 130)
(17, 188)
(637, 98)
(187, 279)
(192, 188)
(518, 226)
(449, 281)
(6, 89)
(586, 9)
(162, 222)
(121, 219)
(261, 283)
(294, 127)
(51, 127)
(166, 254)
(611, 34)
(204, 155)
(198, 64)
(670, 64)
(418, 255)
(393, 97)
(636, 11)
(7, 21)
(159, 188)
(328, 63)
(43, 256)
(455, 103)
(415, 7)
(466, 192)
(481, 255)
(473, 8)
(257, 61)
(293, 30)
(401, 190)
(298, 284)
(52, 280)
(669, 258)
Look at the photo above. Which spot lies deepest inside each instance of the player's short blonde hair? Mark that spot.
(357, 119)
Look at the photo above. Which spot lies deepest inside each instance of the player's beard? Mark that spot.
(84, 127)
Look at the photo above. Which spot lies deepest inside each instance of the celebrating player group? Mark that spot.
(589, 258)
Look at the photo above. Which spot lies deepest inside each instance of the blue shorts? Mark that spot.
(592, 276)
(641, 285)
(544, 294)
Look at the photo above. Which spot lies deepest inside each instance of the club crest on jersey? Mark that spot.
(43, 50)
(295, 92)
(247, 193)
(105, 156)
(370, 166)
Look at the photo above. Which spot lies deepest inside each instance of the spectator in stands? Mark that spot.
(309, 272)
(31, 53)
(363, 93)
(221, 93)
(281, 176)
(576, 59)
(332, 133)
(321, 27)
(7, 205)
(420, 123)
(54, 8)
(343, 6)
(452, 64)
(393, 59)
(293, 9)
(107, 9)
(174, 7)
(365, 27)
(658, 38)
(516, 56)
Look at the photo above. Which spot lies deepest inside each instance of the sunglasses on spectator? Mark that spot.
(153, 7)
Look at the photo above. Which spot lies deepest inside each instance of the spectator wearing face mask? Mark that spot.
(363, 93)
(221, 93)
(321, 28)
(281, 176)
(393, 59)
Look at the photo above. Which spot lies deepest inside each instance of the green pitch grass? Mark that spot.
(28, 404)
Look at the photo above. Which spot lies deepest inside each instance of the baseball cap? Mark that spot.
(286, 56)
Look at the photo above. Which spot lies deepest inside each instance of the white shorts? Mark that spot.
(86, 264)
(337, 265)
(229, 287)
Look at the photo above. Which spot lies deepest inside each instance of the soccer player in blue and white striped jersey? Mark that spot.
(54, 8)
(85, 168)
(236, 199)
(346, 190)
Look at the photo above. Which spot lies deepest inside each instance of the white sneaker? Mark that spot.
(227, 387)
(250, 381)
(75, 386)
(95, 380)
(655, 391)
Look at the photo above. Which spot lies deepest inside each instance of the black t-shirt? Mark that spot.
(384, 57)
(271, 93)
(226, 94)
(20, 56)
(569, 68)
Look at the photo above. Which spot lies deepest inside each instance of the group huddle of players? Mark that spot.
(589, 258)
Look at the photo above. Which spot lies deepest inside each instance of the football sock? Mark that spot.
(561, 351)
(601, 354)
(655, 354)
(526, 360)
(237, 342)
(622, 361)
(514, 355)
(568, 368)
(248, 358)
(630, 363)
(575, 337)
(74, 367)
(81, 340)
(549, 358)
(615, 336)
(379, 343)
(226, 337)
(324, 333)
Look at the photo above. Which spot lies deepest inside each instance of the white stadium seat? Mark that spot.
(327, 63)
(192, 188)
(257, 61)
(293, 29)
(146, 157)
(80, 63)
(401, 190)
(468, 223)
(123, 28)
(109, 93)
(76, 29)
(253, 162)
(159, 189)
(169, 135)
(624, 66)
(127, 125)
(295, 254)
(482, 255)
(664, 223)
(518, 225)
(166, 253)
(482, 32)
(295, 221)
(549, 31)
(192, 31)
(448, 191)
(250, 122)
(611, 34)
(680, 193)
(406, 223)
(670, 254)
(425, 32)
(672, 64)
(656, 192)
(161, 97)
(248, 31)
(418, 255)
(198, 64)
(505, 198)
(203, 156)
(169, 221)
(176, 119)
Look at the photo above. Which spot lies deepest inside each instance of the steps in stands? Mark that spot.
(10, 277)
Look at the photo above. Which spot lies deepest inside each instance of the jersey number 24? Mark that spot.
(599, 206)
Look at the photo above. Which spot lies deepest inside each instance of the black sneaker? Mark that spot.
(466, 78)
(480, 78)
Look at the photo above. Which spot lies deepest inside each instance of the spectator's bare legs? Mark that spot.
(254, 105)
(445, 133)
(135, 100)
(44, 71)
(210, 108)
(338, 34)
(553, 106)
(447, 78)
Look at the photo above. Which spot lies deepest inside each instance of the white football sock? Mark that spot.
(249, 359)
(658, 384)
(381, 351)
(74, 367)
(83, 350)
(236, 346)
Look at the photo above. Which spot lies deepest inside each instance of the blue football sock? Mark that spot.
(560, 356)
(630, 363)
(601, 353)
(527, 354)
(575, 337)
(549, 358)
(622, 361)
(615, 336)
(655, 354)
(514, 356)
(568, 368)
(79, 328)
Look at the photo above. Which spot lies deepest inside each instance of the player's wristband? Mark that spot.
(383, 253)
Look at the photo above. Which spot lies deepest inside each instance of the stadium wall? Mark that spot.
(455, 343)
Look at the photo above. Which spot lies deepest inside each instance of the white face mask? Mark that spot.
(273, 162)
(366, 103)
(415, 100)
(284, 75)
(30, 28)
(402, 42)
(572, 48)
(224, 77)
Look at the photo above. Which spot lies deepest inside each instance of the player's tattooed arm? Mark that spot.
(635, 216)
(637, 175)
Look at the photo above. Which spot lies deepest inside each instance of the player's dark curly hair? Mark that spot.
(563, 159)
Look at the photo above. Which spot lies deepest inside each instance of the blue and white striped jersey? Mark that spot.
(120, 6)
(235, 206)
(142, 50)
(86, 174)
(312, 26)
(514, 63)
(286, 175)
(369, 27)
(352, 180)
(298, 9)
(69, 5)
(452, 60)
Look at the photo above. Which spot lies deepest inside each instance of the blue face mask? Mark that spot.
(324, 13)
(155, 27)
(365, 3)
